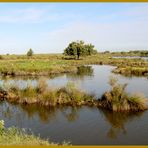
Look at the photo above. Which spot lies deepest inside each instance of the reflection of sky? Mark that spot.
(96, 84)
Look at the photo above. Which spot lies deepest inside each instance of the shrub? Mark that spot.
(1, 57)
(30, 52)
(119, 100)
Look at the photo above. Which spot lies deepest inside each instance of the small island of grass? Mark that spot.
(117, 99)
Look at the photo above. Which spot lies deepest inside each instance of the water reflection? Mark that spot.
(93, 79)
(117, 121)
(45, 114)
(23, 81)
(82, 72)
(82, 125)
(131, 57)
(71, 113)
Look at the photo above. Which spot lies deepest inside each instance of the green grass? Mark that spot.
(15, 136)
(19, 67)
(45, 64)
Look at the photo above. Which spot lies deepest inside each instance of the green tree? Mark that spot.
(30, 52)
(79, 48)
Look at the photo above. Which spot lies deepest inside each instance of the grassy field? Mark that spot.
(46, 64)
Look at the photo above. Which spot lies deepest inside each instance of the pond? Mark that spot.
(131, 57)
(81, 125)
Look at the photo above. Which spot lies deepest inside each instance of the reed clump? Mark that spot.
(47, 96)
(117, 99)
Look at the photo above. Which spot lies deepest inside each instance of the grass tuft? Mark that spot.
(119, 100)
(15, 136)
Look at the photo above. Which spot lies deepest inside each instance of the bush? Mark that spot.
(1, 57)
(30, 52)
(119, 100)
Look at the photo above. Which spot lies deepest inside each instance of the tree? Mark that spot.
(79, 48)
(30, 52)
(106, 52)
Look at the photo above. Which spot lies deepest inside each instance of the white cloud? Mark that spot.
(108, 36)
(131, 32)
(29, 15)
(122, 30)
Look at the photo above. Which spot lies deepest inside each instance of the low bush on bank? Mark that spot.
(119, 100)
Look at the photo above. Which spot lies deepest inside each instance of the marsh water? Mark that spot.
(131, 57)
(81, 125)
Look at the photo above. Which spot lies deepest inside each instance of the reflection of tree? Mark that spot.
(44, 113)
(117, 120)
(82, 71)
(85, 71)
(71, 113)
(7, 113)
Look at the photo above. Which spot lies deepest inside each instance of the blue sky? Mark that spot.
(49, 27)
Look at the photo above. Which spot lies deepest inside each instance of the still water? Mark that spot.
(131, 57)
(83, 125)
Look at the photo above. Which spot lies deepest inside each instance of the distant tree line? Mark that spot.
(141, 53)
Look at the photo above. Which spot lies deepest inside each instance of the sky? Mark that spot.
(50, 27)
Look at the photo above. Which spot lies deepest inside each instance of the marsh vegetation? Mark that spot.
(46, 64)
(119, 100)
(48, 98)
(116, 100)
